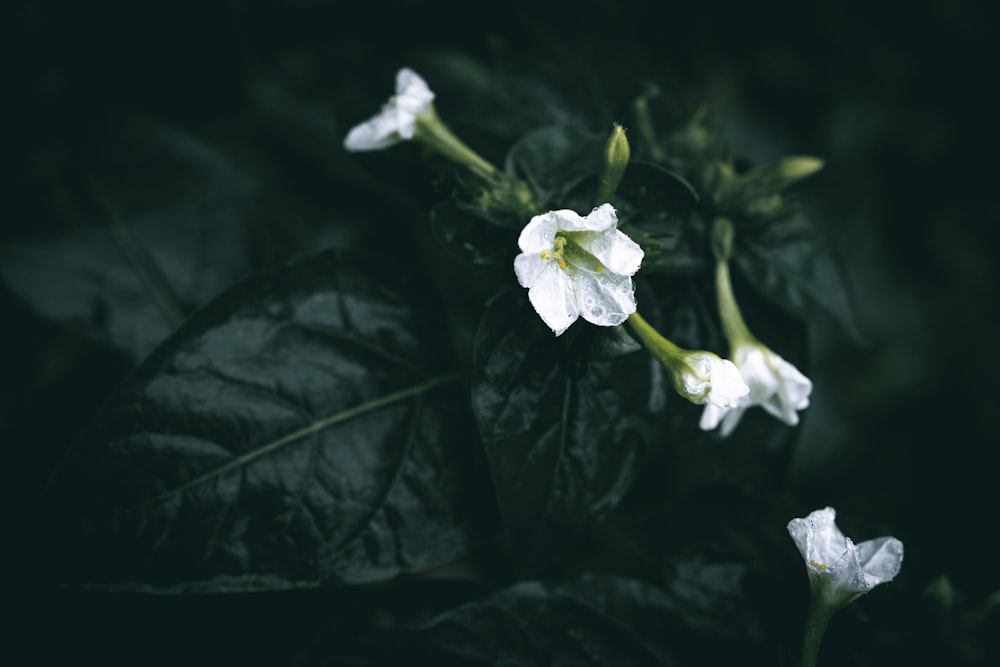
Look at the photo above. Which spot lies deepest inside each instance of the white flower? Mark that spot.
(398, 118)
(839, 571)
(708, 378)
(574, 265)
(775, 384)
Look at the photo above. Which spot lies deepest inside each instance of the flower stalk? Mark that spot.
(733, 325)
(817, 620)
(665, 351)
(431, 132)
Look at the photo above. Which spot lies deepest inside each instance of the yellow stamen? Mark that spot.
(598, 269)
(558, 247)
(818, 566)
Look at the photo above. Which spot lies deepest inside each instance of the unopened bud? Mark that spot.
(616, 157)
(797, 168)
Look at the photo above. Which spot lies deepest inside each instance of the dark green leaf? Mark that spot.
(552, 159)
(725, 559)
(470, 238)
(790, 263)
(611, 342)
(593, 620)
(303, 429)
(156, 228)
(554, 423)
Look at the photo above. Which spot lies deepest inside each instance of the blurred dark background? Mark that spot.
(902, 430)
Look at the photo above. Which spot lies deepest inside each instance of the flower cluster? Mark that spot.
(577, 265)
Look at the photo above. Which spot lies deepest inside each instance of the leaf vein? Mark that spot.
(301, 433)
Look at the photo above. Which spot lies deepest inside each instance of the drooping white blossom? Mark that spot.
(578, 266)
(708, 378)
(776, 385)
(398, 118)
(839, 570)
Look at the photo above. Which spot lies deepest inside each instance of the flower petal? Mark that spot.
(412, 92)
(600, 219)
(695, 379)
(728, 387)
(540, 232)
(752, 362)
(776, 385)
(412, 99)
(708, 378)
(711, 416)
(376, 133)
(605, 299)
(793, 387)
(553, 299)
(817, 536)
(613, 248)
(880, 559)
(844, 575)
(527, 266)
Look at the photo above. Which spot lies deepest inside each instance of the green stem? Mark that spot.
(668, 353)
(819, 617)
(733, 325)
(647, 133)
(434, 134)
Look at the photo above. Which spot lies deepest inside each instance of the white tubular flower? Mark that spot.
(840, 571)
(712, 380)
(697, 375)
(578, 266)
(397, 120)
(776, 385)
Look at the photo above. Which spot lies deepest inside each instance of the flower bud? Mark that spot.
(796, 168)
(616, 157)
